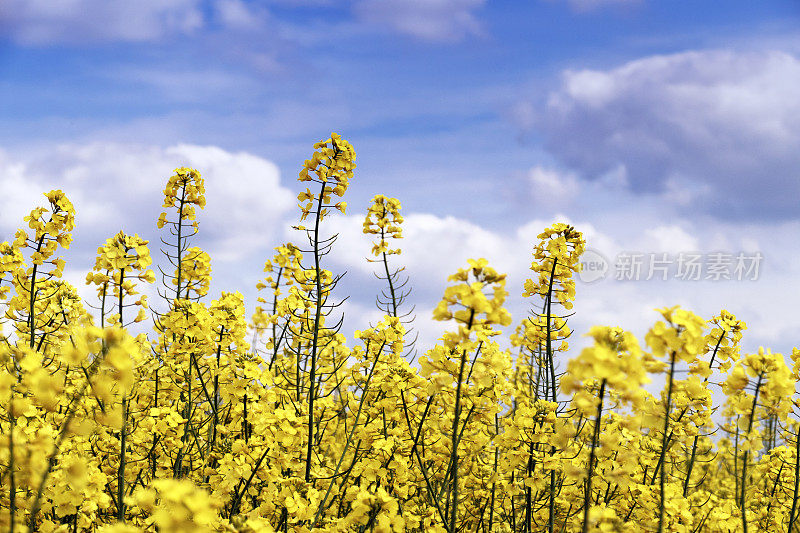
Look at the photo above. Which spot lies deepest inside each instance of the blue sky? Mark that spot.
(654, 126)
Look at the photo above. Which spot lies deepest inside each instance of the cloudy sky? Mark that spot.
(663, 130)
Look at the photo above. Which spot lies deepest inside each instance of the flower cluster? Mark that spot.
(556, 258)
(195, 271)
(331, 165)
(51, 228)
(475, 307)
(682, 334)
(204, 422)
(615, 359)
(185, 191)
(384, 219)
(123, 259)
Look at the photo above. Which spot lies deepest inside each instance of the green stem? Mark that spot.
(32, 302)
(123, 429)
(388, 276)
(121, 470)
(743, 487)
(454, 439)
(12, 507)
(349, 438)
(796, 492)
(179, 259)
(587, 497)
(664, 445)
(548, 341)
(315, 338)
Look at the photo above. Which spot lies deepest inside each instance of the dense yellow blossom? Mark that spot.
(121, 260)
(185, 191)
(556, 258)
(384, 219)
(204, 422)
(331, 165)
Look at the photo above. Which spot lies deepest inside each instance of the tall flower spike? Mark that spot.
(196, 269)
(724, 338)
(48, 234)
(330, 167)
(477, 309)
(281, 272)
(185, 189)
(556, 258)
(52, 228)
(384, 219)
(333, 161)
(120, 260)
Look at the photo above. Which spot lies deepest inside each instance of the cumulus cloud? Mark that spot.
(434, 247)
(669, 238)
(118, 186)
(717, 130)
(552, 185)
(426, 20)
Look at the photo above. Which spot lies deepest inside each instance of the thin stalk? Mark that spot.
(746, 454)
(454, 440)
(123, 429)
(121, 469)
(388, 276)
(587, 497)
(315, 338)
(696, 438)
(494, 483)
(796, 491)
(12, 507)
(179, 258)
(349, 438)
(548, 341)
(664, 445)
(32, 302)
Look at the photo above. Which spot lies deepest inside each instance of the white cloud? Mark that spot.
(594, 88)
(426, 20)
(553, 186)
(119, 186)
(20, 193)
(44, 22)
(239, 15)
(116, 186)
(668, 239)
(434, 247)
(714, 130)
